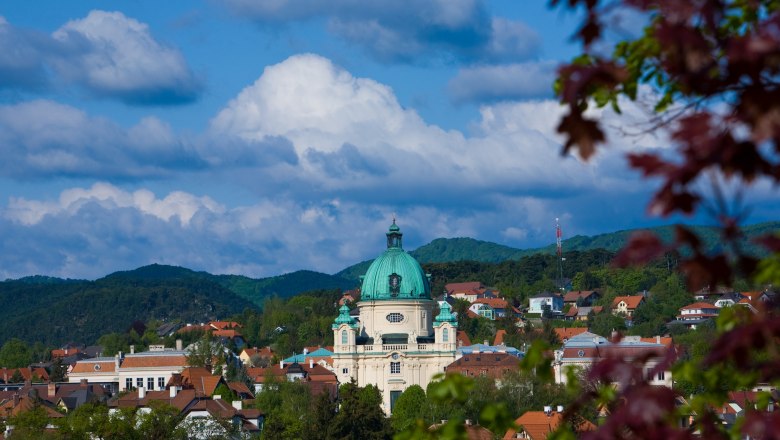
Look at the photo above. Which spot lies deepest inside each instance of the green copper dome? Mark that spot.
(395, 274)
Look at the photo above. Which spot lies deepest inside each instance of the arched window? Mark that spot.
(445, 333)
(344, 337)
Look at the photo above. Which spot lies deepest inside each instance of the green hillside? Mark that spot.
(58, 313)
(55, 311)
(287, 285)
(443, 250)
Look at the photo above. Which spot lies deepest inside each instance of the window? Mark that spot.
(445, 335)
(161, 383)
(661, 375)
(128, 383)
(394, 395)
(139, 382)
(149, 383)
(345, 371)
(395, 368)
(395, 317)
(344, 337)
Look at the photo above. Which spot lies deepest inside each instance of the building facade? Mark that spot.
(395, 342)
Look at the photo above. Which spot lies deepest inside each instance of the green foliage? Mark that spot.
(85, 310)
(449, 250)
(605, 323)
(29, 424)
(204, 352)
(360, 414)
(15, 354)
(409, 407)
(286, 407)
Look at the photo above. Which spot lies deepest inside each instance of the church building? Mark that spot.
(395, 342)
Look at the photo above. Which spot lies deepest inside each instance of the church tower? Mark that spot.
(395, 342)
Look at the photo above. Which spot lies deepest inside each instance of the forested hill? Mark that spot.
(442, 250)
(55, 311)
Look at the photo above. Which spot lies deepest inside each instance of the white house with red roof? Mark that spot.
(583, 350)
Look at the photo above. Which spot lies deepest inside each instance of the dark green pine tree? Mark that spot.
(360, 415)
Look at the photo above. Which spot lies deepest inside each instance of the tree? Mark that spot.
(17, 377)
(409, 407)
(323, 410)
(58, 371)
(711, 68)
(360, 415)
(15, 354)
(204, 352)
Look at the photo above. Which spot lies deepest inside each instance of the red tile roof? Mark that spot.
(500, 334)
(573, 296)
(538, 425)
(567, 333)
(463, 339)
(496, 303)
(699, 305)
(632, 302)
(222, 325)
(89, 366)
(227, 333)
(467, 287)
(131, 361)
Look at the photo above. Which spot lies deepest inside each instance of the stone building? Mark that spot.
(395, 342)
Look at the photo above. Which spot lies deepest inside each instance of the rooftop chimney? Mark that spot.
(559, 408)
(281, 364)
(173, 390)
(141, 393)
(51, 389)
(216, 397)
(179, 346)
(116, 361)
(239, 405)
(547, 410)
(132, 349)
(305, 351)
(311, 363)
(658, 339)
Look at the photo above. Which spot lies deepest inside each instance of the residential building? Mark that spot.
(537, 425)
(319, 355)
(728, 300)
(483, 311)
(493, 365)
(395, 342)
(553, 300)
(627, 305)
(581, 298)
(256, 357)
(583, 350)
(151, 369)
(564, 334)
(468, 291)
(318, 378)
(582, 313)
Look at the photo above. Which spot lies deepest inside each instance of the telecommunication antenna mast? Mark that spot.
(559, 251)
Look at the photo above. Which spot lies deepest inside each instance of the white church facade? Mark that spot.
(395, 342)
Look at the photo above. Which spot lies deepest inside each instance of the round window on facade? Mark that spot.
(97, 367)
(581, 353)
(395, 317)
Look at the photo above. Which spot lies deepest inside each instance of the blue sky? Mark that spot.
(257, 138)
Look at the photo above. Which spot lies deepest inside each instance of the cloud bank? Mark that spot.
(105, 54)
(326, 156)
(407, 31)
